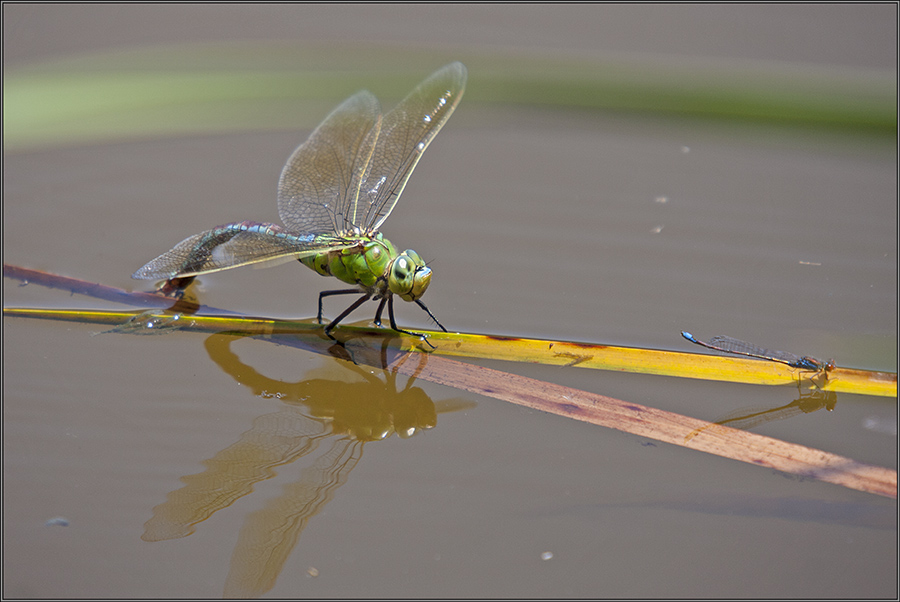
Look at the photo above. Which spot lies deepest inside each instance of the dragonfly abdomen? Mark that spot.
(223, 247)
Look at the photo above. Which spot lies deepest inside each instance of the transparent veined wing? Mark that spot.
(404, 135)
(233, 245)
(320, 180)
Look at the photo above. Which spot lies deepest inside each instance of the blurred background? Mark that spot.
(614, 174)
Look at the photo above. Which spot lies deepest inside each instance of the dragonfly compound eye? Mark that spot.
(409, 277)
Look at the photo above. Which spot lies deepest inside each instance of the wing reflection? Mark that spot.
(344, 415)
(269, 535)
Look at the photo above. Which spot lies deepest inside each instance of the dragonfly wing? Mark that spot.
(234, 245)
(320, 180)
(404, 135)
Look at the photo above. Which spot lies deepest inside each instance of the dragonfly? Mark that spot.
(728, 344)
(334, 194)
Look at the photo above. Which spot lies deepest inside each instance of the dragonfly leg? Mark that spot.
(323, 294)
(398, 329)
(430, 315)
(346, 312)
(377, 320)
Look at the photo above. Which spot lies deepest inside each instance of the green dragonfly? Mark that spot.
(335, 192)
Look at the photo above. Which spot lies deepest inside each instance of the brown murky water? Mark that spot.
(536, 223)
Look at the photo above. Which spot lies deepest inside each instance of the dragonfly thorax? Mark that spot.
(377, 267)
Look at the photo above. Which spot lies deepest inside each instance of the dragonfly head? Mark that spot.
(408, 276)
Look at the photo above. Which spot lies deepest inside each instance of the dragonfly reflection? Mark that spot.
(329, 412)
(748, 418)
